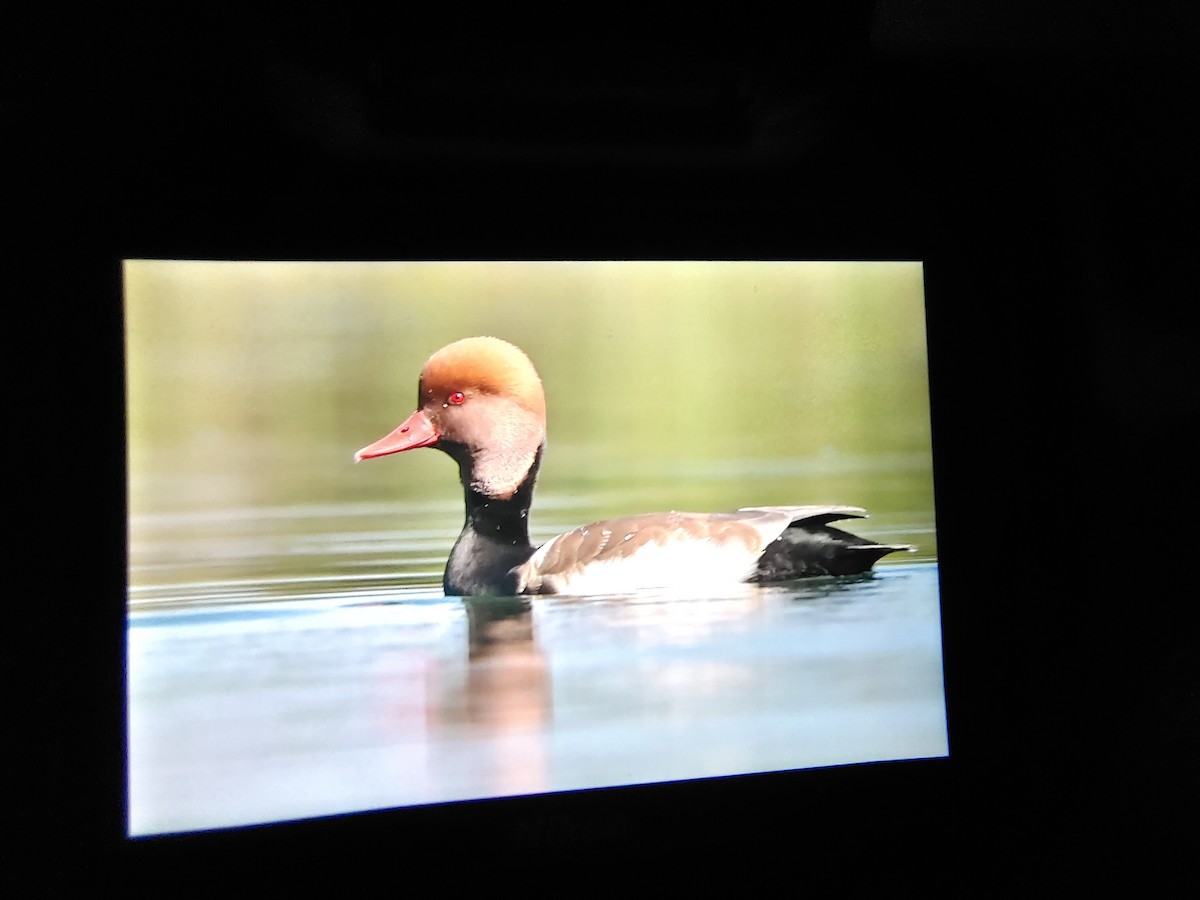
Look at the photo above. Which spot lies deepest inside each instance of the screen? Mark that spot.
(291, 651)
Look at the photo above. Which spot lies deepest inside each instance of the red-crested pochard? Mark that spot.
(480, 400)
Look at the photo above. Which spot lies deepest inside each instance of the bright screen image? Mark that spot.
(292, 650)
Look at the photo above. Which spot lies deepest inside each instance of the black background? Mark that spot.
(1038, 157)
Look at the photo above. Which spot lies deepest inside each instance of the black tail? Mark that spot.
(809, 548)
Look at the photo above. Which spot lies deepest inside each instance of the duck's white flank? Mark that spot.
(712, 550)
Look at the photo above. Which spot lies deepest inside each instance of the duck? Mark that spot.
(481, 402)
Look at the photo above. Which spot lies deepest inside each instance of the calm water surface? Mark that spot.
(258, 699)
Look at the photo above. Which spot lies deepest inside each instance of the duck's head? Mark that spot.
(479, 400)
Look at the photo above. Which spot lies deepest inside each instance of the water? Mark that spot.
(279, 702)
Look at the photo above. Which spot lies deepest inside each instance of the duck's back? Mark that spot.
(679, 550)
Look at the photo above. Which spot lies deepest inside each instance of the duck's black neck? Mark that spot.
(494, 539)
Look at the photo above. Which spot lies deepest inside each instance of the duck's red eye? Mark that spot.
(457, 397)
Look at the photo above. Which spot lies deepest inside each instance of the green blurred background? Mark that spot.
(693, 385)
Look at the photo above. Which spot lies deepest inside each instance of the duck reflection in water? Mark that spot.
(506, 685)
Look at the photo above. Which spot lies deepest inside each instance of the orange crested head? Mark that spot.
(485, 366)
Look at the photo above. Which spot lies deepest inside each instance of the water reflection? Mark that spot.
(508, 680)
(499, 694)
(366, 697)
